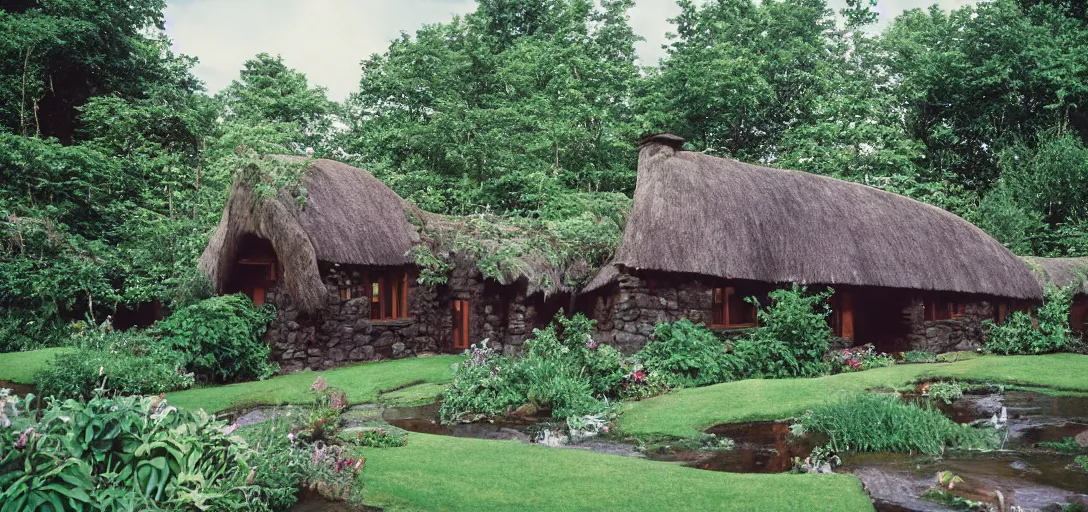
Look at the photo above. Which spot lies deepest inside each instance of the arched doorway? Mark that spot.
(255, 269)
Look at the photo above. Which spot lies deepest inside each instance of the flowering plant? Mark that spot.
(856, 359)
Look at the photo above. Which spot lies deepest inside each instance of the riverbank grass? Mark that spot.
(451, 473)
(688, 412)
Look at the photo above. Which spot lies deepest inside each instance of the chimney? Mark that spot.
(675, 142)
(653, 151)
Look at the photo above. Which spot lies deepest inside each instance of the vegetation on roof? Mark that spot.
(554, 254)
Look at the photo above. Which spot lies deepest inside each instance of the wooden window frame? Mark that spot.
(721, 297)
(940, 308)
(388, 292)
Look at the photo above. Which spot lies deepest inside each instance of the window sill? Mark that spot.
(394, 322)
(738, 327)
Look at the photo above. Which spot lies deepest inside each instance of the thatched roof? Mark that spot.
(512, 249)
(719, 217)
(348, 216)
(604, 277)
(1062, 272)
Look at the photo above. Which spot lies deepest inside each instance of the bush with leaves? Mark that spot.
(1019, 334)
(126, 453)
(563, 370)
(128, 363)
(687, 355)
(856, 359)
(792, 337)
(219, 338)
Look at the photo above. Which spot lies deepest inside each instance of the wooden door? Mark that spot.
(460, 324)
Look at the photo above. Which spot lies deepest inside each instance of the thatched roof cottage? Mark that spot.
(333, 255)
(706, 232)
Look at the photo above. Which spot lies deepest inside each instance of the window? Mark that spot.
(731, 310)
(388, 295)
(944, 308)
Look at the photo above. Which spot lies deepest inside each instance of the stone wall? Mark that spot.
(628, 310)
(951, 335)
(344, 333)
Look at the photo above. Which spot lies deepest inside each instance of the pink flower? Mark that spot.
(319, 385)
(338, 400)
(592, 344)
(21, 443)
(638, 376)
(605, 429)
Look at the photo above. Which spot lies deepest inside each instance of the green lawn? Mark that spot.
(687, 412)
(363, 383)
(19, 367)
(450, 473)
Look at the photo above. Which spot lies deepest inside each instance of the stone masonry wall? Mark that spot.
(627, 317)
(628, 310)
(343, 332)
(955, 334)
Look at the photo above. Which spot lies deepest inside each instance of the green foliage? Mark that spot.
(1020, 335)
(1067, 445)
(380, 438)
(946, 392)
(279, 468)
(1082, 462)
(220, 338)
(548, 252)
(919, 356)
(860, 358)
(868, 422)
(122, 454)
(792, 337)
(268, 92)
(563, 370)
(688, 355)
(462, 118)
(78, 374)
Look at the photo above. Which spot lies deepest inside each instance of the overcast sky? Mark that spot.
(326, 39)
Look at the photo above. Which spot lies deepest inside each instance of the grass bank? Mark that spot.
(449, 473)
(363, 383)
(687, 412)
(19, 367)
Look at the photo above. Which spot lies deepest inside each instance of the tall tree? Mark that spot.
(270, 92)
(503, 109)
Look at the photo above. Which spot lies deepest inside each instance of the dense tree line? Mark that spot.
(114, 162)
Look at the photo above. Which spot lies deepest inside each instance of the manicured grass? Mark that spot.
(411, 396)
(688, 412)
(450, 473)
(19, 367)
(362, 383)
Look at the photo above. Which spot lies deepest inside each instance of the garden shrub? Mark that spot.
(857, 359)
(868, 422)
(219, 339)
(687, 355)
(792, 337)
(563, 369)
(125, 453)
(946, 392)
(78, 374)
(1019, 335)
(481, 384)
(129, 363)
